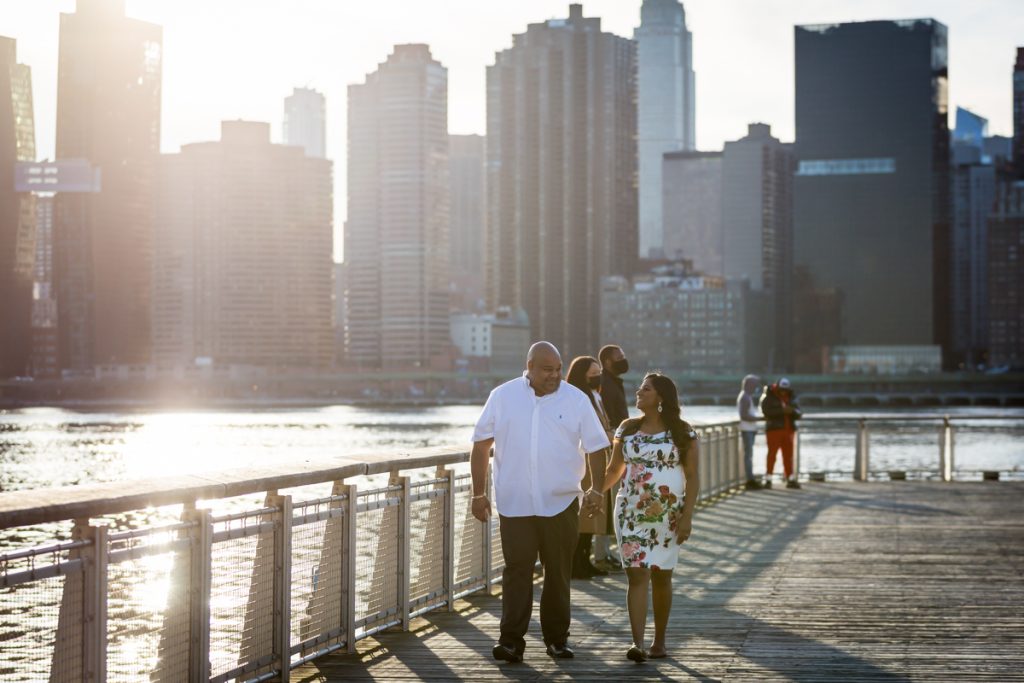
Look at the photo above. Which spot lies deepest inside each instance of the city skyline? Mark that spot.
(227, 73)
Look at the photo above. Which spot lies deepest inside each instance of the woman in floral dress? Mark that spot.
(654, 509)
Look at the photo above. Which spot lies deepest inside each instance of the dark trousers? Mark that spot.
(523, 539)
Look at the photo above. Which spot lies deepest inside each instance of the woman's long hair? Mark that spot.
(670, 412)
(577, 377)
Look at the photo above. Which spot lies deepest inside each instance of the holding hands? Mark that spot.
(593, 502)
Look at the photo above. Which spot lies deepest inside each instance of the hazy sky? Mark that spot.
(226, 59)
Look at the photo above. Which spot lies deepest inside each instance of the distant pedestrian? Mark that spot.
(781, 411)
(537, 424)
(746, 406)
(658, 453)
(585, 375)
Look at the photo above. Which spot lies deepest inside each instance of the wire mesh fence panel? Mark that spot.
(469, 534)
(41, 630)
(241, 596)
(377, 555)
(426, 542)
(317, 571)
(148, 607)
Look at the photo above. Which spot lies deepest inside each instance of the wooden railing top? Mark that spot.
(38, 506)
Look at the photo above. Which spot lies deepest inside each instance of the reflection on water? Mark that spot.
(43, 447)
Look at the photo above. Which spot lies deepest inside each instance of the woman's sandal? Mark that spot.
(660, 655)
(636, 654)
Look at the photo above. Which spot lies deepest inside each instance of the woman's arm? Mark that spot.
(684, 523)
(615, 468)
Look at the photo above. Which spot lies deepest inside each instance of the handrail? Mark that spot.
(39, 506)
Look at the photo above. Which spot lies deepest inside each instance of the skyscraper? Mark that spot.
(757, 224)
(396, 236)
(242, 262)
(871, 192)
(561, 159)
(108, 112)
(974, 182)
(305, 121)
(1006, 277)
(17, 212)
(467, 175)
(666, 108)
(692, 201)
(1018, 113)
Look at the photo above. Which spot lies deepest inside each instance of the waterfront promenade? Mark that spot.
(883, 581)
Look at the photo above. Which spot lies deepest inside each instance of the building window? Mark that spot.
(847, 166)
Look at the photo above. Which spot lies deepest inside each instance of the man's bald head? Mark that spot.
(544, 368)
(542, 347)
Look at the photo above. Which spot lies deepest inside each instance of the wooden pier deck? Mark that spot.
(893, 581)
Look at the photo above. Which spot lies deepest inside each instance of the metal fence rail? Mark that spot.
(250, 594)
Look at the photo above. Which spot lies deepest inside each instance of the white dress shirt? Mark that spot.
(537, 444)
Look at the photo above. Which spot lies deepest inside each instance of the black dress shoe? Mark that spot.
(506, 653)
(562, 651)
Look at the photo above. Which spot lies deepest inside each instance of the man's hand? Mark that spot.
(481, 508)
(593, 502)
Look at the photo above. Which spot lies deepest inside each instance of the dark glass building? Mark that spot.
(1018, 113)
(871, 192)
(108, 112)
(17, 212)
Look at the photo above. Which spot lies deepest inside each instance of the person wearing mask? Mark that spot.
(746, 405)
(781, 411)
(585, 374)
(538, 425)
(659, 455)
(614, 365)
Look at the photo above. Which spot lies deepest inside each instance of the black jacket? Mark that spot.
(772, 408)
(613, 394)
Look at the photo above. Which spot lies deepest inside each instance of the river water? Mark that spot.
(43, 447)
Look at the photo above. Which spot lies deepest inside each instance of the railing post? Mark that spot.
(282, 551)
(736, 455)
(946, 450)
(719, 468)
(796, 455)
(94, 613)
(860, 465)
(349, 550)
(488, 536)
(200, 578)
(705, 465)
(448, 575)
(404, 570)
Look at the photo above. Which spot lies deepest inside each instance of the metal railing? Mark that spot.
(253, 591)
(868, 429)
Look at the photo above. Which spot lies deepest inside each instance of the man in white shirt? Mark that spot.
(537, 424)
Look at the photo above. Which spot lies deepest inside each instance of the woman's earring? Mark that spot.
(659, 407)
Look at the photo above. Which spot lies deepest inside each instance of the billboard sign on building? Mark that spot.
(67, 175)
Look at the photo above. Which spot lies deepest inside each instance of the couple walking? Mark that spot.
(546, 436)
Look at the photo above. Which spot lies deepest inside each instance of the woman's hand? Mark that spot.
(684, 526)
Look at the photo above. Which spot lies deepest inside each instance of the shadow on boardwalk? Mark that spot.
(874, 582)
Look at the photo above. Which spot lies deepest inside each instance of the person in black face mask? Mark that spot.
(585, 375)
(613, 365)
(613, 393)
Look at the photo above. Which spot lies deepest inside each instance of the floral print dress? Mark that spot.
(649, 500)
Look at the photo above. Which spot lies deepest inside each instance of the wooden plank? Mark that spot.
(886, 581)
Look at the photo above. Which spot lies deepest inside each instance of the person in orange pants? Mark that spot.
(781, 411)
